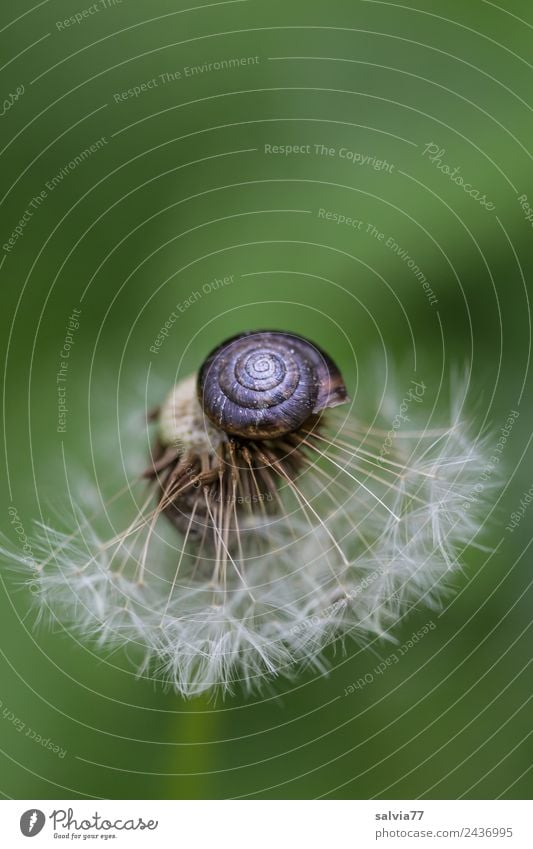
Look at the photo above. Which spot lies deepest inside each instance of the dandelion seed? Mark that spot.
(292, 527)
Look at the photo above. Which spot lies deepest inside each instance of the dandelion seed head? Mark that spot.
(283, 546)
(182, 422)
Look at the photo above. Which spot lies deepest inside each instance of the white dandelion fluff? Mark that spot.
(295, 526)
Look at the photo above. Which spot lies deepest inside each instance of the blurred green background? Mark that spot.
(182, 190)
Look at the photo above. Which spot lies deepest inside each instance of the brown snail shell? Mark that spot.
(263, 384)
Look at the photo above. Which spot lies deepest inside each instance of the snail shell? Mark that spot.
(263, 384)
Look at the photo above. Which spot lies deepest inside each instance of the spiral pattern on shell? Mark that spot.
(267, 383)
